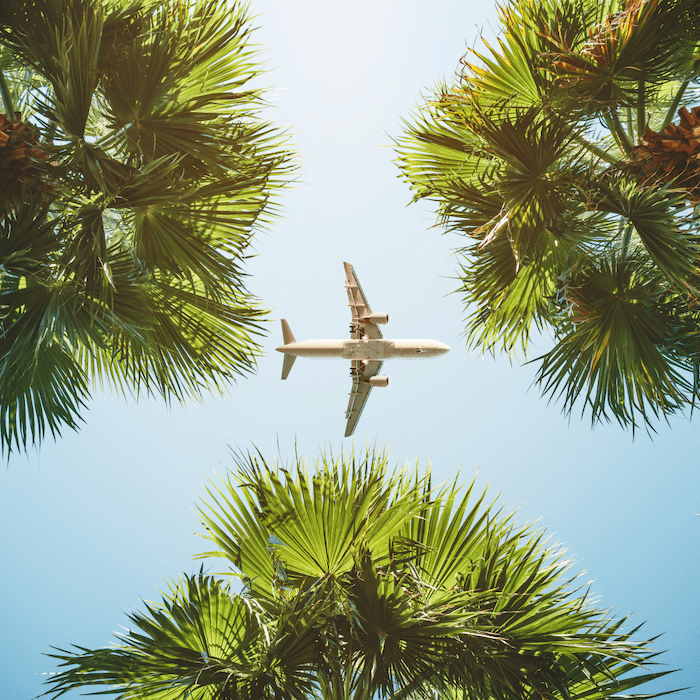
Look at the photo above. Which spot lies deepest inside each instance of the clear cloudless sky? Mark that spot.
(97, 521)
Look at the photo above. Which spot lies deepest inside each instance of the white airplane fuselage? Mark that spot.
(367, 349)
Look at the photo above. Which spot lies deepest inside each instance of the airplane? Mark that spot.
(366, 349)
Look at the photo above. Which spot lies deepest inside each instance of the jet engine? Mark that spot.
(378, 380)
(376, 318)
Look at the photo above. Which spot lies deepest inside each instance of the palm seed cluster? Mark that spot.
(672, 155)
(22, 159)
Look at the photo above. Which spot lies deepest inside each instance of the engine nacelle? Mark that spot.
(376, 318)
(378, 380)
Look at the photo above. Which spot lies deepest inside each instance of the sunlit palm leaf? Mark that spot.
(670, 241)
(316, 525)
(507, 74)
(27, 240)
(452, 535)
(629, 41)
(401, 640)
(42, 391)
(153, 173)
(613, 351)
(510, 299)
(459, 597)
(203, 643)
(440, 147)
(361, 582)
(535, 154)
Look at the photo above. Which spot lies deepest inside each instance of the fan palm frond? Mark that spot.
(316, 524)
(614, 352)
(362, 582)
(543, 155)
(143, 159)
(202, 642)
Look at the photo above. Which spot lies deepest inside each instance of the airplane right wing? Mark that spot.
(359, 306)
(361, 372)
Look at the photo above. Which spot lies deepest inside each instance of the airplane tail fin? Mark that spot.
(288, 337)
(287, 333)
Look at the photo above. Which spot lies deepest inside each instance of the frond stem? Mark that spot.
(595, 150)
(630, 124)
(641, 111)
(110, 138)
(612, 119)
(674, 105)
(6, 97)
(626, 239)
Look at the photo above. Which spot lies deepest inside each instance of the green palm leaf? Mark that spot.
(543, 156)
(363, 582)
(614, 353)
(147, 172)
(652, 212)
(203, 643)
(317, 524)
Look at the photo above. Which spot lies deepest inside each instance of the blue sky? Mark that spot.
(97, 521)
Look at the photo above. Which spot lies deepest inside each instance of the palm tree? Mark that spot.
(134, 170)
(556, 156)
(357, 582)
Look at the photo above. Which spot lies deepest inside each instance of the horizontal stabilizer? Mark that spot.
(287, 365)
(288, 337)
(287, 334)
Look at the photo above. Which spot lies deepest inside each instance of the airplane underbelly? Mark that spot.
(367, 349)
(315, 348)
(417, 349)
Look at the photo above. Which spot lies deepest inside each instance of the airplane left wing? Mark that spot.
(361, 372)
(359, 306)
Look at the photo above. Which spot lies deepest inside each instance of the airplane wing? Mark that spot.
(361, 372)
(359, 307)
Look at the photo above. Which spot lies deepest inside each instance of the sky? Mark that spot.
(101, 519)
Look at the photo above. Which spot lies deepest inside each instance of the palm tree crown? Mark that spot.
(359, 582)
(555, 155)
(135, 168)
